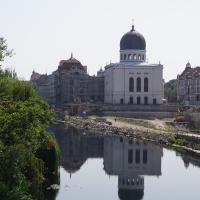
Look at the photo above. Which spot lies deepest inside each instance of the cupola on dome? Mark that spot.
(132, 40)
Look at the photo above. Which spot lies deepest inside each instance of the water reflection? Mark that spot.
(130, 159)
(76, 147)
(125, 169)
(126, 158)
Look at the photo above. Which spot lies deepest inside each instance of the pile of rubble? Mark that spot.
(103, 128)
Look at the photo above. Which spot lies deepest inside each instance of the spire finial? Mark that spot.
(133, 28)
(71, 55)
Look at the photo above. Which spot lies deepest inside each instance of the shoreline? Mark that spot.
(165, 139)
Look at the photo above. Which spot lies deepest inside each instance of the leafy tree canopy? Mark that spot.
(4, 52)
(25, 145)
(170, 91)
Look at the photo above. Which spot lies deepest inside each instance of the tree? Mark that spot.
(170, 91)
(4, 52)
(29, 155)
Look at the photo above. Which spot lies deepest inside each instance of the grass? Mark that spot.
(180, 142)
(91, 117)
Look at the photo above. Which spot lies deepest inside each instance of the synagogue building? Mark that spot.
(132, 80)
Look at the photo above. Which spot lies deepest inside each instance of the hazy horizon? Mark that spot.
(44, 32)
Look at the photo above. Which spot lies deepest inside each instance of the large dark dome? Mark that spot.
(132, 40)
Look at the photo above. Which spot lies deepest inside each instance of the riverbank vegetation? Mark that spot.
(29, 155)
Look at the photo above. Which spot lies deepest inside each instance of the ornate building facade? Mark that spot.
(133, 80)
(188, 86)
(69, 83)
(130, 81)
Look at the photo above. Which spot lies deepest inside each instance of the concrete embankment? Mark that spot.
(140, 114)
(140, 111)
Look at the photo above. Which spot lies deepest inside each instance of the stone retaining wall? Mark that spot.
(141, 108)
(140, 115)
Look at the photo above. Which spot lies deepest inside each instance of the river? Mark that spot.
(112, 167)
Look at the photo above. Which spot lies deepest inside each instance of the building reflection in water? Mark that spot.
(126, 158)
(76, 147)
(129, 159)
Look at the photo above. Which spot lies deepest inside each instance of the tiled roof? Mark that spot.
(70, 63)
(190, 73)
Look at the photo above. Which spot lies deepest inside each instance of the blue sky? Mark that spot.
(42, 32)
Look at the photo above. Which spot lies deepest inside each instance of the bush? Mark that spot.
(28, 154)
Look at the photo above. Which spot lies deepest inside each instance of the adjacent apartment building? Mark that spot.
(188, 86)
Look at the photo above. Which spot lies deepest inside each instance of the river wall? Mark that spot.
(140, 115)
(140, 108)
(136, 111)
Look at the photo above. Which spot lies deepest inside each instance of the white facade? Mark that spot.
(130, 160)
(129, 157)
(147, 79)
(117, 77)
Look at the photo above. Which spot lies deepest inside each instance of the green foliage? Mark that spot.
(49, 152)
(181, 142)
(19, 170)
(4, 52)
(28, 154)
(13, 89)
(197, 147)
(170, 91)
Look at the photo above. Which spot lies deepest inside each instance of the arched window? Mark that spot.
(130, 156)
(145, 100)
(137, 157)
(131, 84)
(131, 100)
(143, 57)
(124, 56)
(144, 156)
(138, 84)
(134, 57)
(121, 56)
(139, 57)
(129, 57)
(146, 84)
(138, 100)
